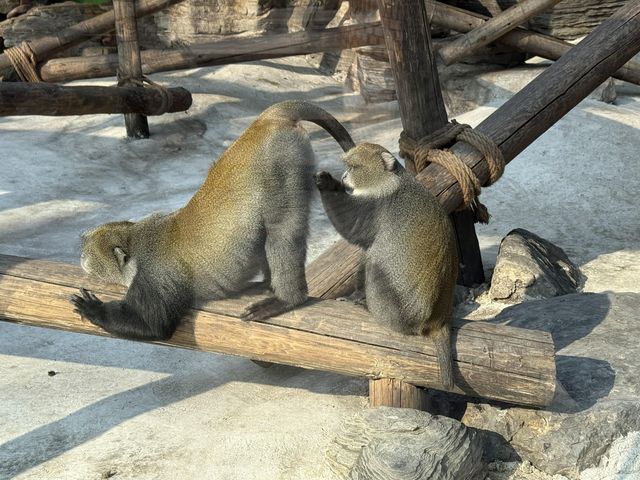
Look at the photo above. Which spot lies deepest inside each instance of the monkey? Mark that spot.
(249, 216)
(411, 259)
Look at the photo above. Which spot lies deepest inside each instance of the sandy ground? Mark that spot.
(132, 410)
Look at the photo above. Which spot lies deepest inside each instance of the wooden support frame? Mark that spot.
(515, 125)
(129, 66)
(493, 29)
(494, 361)
(50, 99)
(45, 47)
(408, 39)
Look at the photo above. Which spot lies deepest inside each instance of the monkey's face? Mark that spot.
(371, 171)
(105, 253)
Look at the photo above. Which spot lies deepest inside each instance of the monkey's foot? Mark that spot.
(263, 309)
(324, 181)
(88, 306)
(19, 10)
(358, 297)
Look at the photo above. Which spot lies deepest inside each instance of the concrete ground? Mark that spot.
(128, 410)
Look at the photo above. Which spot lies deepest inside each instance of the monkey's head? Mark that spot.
(105, 253)
(371, 171)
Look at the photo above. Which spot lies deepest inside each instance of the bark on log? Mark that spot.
(493, 29)
(48, 99)
(494, 361)
(522, 119)
(45, 47)
(223, 52)
(129, 67)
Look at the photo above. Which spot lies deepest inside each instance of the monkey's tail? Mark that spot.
(442, 339)
(298, 110)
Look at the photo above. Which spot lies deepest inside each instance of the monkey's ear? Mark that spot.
(121, 256)
(389, 161)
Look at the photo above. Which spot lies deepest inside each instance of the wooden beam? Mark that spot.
(408, 39)
(45, 47)
(49, 99)
(129, 67)
(493, 361)
(222, 52)
(493, 29)
(526, 116)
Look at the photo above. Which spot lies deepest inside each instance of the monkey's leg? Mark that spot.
(144, 314)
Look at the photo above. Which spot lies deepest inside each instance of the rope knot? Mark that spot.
(433, 149)
(23, 59)
(164, 92)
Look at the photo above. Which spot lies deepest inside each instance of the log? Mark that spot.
(406, 32)
(522, 119)
(49, 99)
(223, 52)
(129, 67)
(46, 47)
(521, 39)
(494, 361)
(391, 392)
(493, 29)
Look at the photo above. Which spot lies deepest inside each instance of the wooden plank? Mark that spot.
(129, 67)
(408, 39)
(502, 363)
(493, 29)
(45, 47)
(528, 114)
(222, 52)
(51, 99)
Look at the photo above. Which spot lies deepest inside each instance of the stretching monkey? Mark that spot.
(250, 215)
(411, 262)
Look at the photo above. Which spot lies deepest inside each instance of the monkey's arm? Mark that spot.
(349, 216)
(148, 311)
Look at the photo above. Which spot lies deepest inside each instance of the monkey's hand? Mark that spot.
(325, 182)
(263, 309)
(88, 306)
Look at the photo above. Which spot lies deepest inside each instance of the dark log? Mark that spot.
(527, 115)
(223, 52)
(493, 29)
(422, 109)
(49, 99)
(500, 362)
(46, 47)
(129, 67)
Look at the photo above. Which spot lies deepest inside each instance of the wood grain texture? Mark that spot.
(55, 100)
(223, 52)
(45, 47)
(391, 392)
(493, 29)
(532, 111)
(498, 362)
(129, 67)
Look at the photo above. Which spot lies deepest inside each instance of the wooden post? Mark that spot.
(129, 68)
(493, 29)
(522, 119)
(221, 52)
(45, 47)
(422, 109)
(391, 392)
(500, 362)
(48, 99)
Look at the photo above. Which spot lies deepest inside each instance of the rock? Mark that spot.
(397, 443)
(598, 367)
(530, 267)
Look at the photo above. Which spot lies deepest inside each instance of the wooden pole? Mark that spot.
(221, 52)
(492, 7)
(49, 99)
(517, 123)
(493, 29)
(130, 69)
(45, 47)
(408, 39)
(500, 362)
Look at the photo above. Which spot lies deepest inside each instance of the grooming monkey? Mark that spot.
(249, 216)
(411, 261)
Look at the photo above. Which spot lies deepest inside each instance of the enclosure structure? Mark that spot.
(492, 361)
